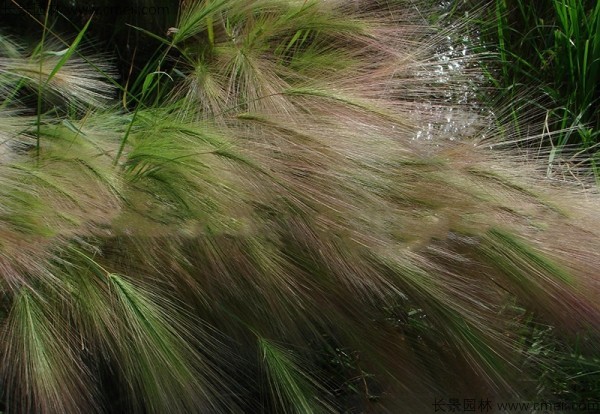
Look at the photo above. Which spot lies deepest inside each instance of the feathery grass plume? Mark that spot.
(37, 342)
(9, 48)
(266, 60)
(68, 77)
(76, 81)
(261, 232)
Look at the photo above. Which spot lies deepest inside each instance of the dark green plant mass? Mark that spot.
(547, 67)
(227, 209)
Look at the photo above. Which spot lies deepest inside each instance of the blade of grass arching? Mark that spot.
(41, 83)
(147, 86)
(152, 35)
(61, 62)
(584, 66)
(150, 83)
(153, 63)
(294, 39)
(194, 18)
(69, 51)
(594, 30)
(569, 33)
(108, 77)
(577, 22)
(592, 67)
(501, 26)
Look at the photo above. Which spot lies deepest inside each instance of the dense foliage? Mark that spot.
(545, 72)
(229, 211)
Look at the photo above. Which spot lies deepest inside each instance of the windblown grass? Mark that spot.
(255, 230)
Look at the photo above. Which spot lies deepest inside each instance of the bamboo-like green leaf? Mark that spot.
(67, 53)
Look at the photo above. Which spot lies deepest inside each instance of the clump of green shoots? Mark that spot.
(547, 72)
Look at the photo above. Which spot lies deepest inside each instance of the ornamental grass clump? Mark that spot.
(248, 224)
